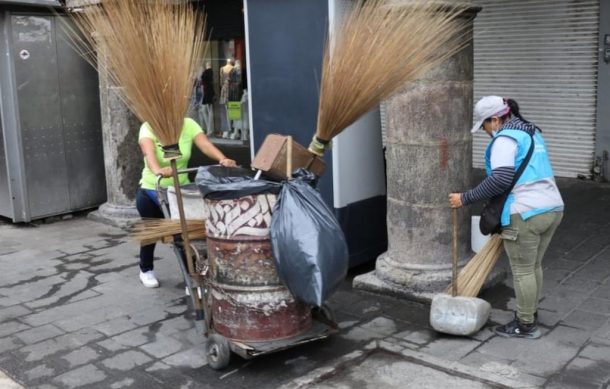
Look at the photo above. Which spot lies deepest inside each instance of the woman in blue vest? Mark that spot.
(533, 209)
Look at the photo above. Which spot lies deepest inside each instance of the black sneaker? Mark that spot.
(516, 329)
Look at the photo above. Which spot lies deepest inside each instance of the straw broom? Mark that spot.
(151, 50)
(377, 48)
(148, 231)
(473, 275)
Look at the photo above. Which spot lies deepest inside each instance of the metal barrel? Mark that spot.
(248, 301)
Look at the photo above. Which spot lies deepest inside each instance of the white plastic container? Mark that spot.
(458, 315)
(477, 239)
(194, 206)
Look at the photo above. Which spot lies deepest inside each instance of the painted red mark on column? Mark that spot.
(444, 154)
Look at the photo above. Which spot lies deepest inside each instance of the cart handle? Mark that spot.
(181, 171)
(161, 194)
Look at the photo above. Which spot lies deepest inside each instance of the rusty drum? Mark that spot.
(248, 301)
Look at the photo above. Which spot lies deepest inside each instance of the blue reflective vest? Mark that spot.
(538, 168)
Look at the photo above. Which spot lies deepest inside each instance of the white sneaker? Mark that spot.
(148, 279)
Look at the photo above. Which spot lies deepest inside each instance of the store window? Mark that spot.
(220, 96)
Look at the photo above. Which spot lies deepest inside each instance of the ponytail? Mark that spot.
(514, 109)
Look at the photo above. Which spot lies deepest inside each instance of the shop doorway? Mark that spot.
(220, 96)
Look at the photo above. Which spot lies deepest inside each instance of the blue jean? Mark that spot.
(147, 208)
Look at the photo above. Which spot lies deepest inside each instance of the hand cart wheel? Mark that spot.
(218, 351)
(324, 312)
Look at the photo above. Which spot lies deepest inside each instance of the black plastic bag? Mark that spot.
(227, 183)
(309, 248)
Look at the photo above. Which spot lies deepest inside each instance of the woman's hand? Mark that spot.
(164, 171)
(226, 162)
(208, 148)
(455, 200)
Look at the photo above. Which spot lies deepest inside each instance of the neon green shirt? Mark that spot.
(190, 129)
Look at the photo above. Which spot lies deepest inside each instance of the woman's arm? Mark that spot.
(496, 184)
(491, 186)
(208, 148)
(148, 149)
(503, 153)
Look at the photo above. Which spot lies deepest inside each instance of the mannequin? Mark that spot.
(235, 94)
(225, 81)
(245, 121)
(225, 78)
(207, 81)
(235, 83)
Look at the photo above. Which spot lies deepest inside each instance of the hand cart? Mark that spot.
(218, 347)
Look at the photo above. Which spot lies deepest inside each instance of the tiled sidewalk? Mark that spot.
(73, 313)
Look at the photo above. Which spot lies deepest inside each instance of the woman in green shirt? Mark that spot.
(155, 165)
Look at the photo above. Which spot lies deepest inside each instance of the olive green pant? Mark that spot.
(525, 242)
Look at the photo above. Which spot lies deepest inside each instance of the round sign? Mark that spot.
(24, 54)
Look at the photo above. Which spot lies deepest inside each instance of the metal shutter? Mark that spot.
(543, 54)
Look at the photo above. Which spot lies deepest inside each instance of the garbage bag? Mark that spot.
(309, 248)
(228, 183)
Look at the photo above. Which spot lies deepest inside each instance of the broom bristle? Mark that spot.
(378, 47)
(473, 275)
(151, 50)
(148, 231)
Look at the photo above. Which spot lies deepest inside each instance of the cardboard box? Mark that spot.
(273, 154)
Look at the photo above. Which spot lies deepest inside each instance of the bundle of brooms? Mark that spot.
(148, 231)
(151, 50)
(377, 48)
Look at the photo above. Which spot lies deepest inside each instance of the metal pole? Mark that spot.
(187, 243)
(454, 219)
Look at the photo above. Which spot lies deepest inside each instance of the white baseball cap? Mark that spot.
(487, 107)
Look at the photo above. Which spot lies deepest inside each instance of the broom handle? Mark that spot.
(199, 312)
(185, 235)
(454, 220)
(289, 157)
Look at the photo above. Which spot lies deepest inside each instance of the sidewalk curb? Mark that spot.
(7, 383)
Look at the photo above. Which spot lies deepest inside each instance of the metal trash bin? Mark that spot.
(248, 301)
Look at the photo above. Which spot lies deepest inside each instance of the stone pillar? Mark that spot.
(429, 155)
(123, 160)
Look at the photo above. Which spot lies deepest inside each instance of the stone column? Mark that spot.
(122, 157)
(429, 155)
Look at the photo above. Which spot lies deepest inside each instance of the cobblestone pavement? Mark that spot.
(73, 314)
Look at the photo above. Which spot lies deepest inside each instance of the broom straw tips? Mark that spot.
(148, 231)
(379, 46)
(472, 277)
(151, 50)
